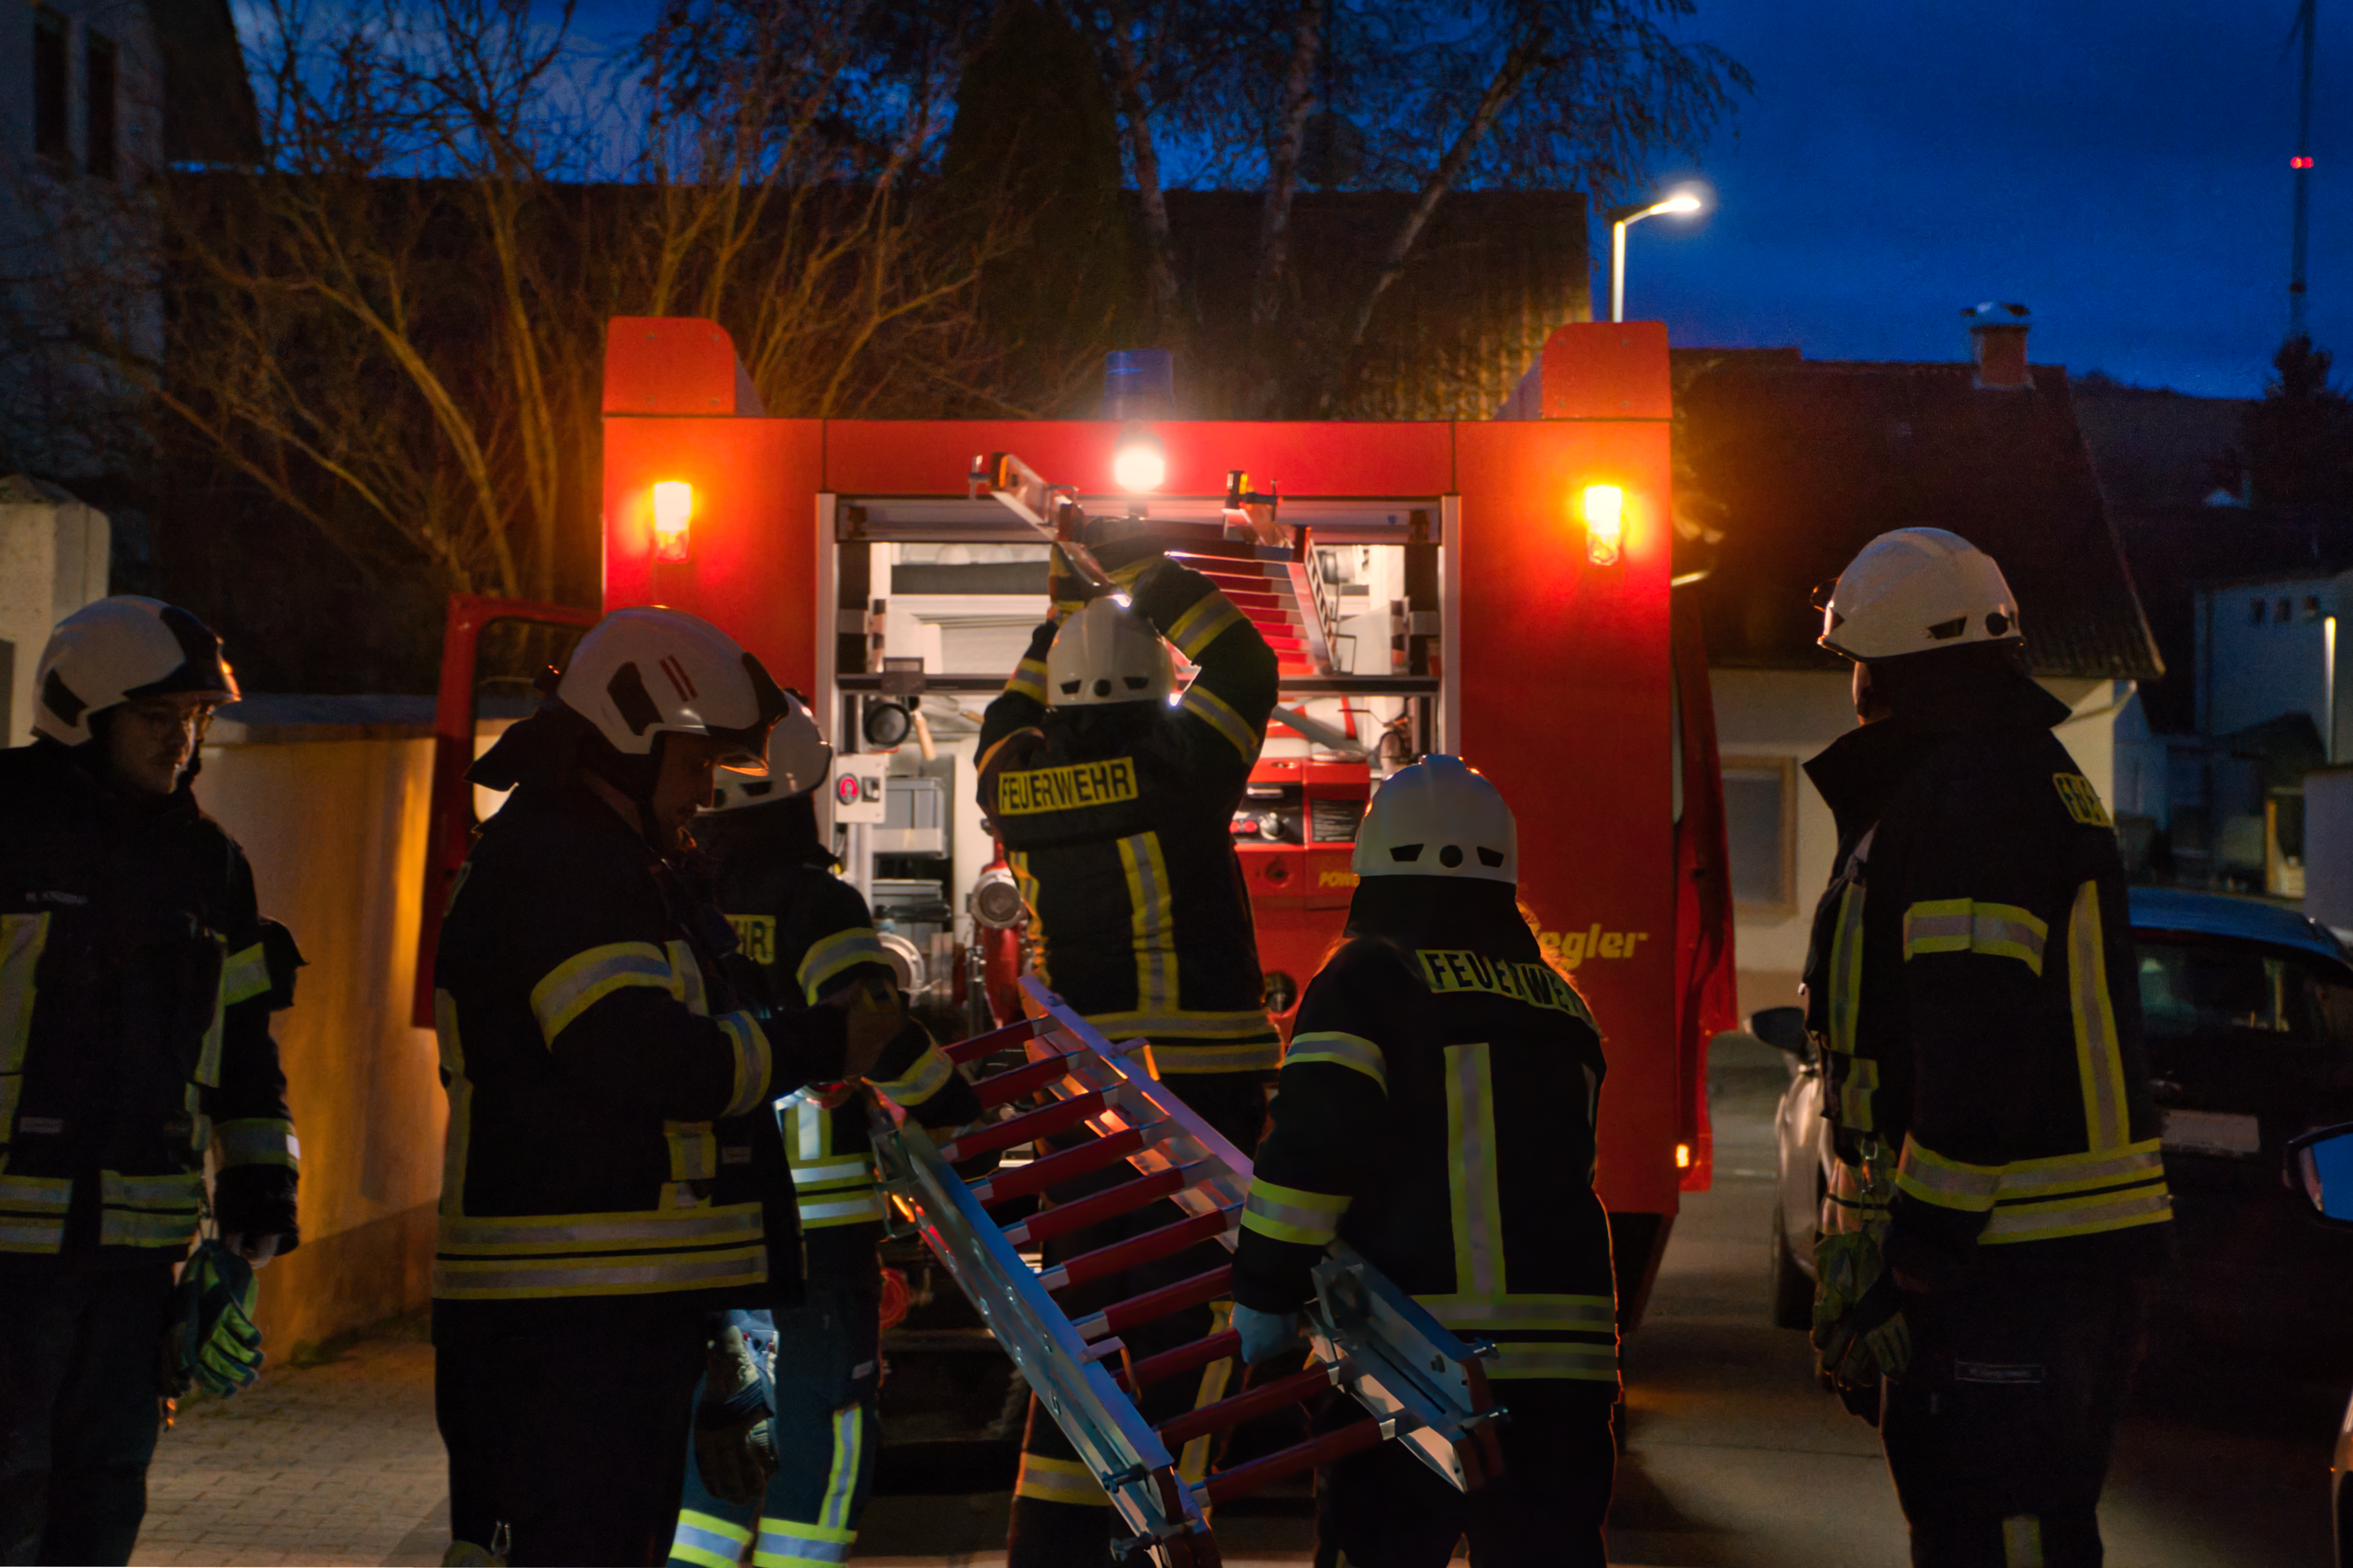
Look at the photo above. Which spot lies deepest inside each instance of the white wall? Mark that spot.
(53, 561)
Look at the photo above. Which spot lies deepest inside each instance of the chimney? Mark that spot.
(1997, 344)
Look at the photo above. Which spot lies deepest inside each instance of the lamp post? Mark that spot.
(1619, 219)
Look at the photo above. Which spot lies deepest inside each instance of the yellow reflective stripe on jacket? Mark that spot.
(629, 1230)
(1202, 1024)
(924, 1077)
(149, 1210)
(1858, 1082)
(2099, 1055)
(826, 1209)
(693, 1150)
(33, 1212)
(1553, 1359)
(22, 938)
(1028, 679)
(1151, 922)
(507, 1279)
(635, 1252)
(1203, 622)
(707, 1541)
(827, 956)
(1059, 1481)
(748, 1044)
(686, 977)
(209, 1054)
(1219, 714)
(585, 979)
(1586, 1314)
(246, 975)
(2088, 1215)
(257, 1140)
(788, 1543)
(1949, 1184)
(2050, 1177)
(1846, 972)
(833, 1174)
(1293, 1214)
(1341, 1050)
(1963, 925)
(1477, 1199)
(812, 1128)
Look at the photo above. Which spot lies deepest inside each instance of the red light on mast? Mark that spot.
(2300, 161)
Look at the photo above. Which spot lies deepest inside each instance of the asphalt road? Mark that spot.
(1735, 1459)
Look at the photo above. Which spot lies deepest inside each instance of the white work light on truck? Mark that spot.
(674, 509)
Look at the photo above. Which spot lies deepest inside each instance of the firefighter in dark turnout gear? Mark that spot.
(1999, 1196)
(136, 983)
(1116, 812)
(614, 1172)
(1437, 1111)
(813, 938)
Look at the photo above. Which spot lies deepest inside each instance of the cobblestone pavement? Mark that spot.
(338, 1463)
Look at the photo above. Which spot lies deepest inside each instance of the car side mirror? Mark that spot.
(1784, 1028)
(2320, 1165)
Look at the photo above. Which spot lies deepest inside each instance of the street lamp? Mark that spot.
(1620, 218)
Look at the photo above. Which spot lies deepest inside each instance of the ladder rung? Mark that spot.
(1354, 1438)
(1063, 1218)
(995, 1040)
(1038, 1175)
(1225, 1412)
(1057, 1117)
(1135, 1249)
(1121, 1316)
(998, 1087)
(1154, 1369)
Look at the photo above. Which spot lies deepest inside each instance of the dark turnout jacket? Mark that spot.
(609, 1081)
(1118, 823)
(811, 934)
(1436, 1111)
(137, 978)
(1972, 982)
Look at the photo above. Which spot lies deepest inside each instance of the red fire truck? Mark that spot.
(1495, 588)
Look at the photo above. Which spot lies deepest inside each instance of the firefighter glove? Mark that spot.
(735, 1433)
(1871, 1340)
(1265, 1334)
(213, 1342)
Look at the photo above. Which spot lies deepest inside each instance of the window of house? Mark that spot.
(2311, 608)
(51, 81)
(2255, 613)
(98, 87)
(2287, 611)
(1760, 830)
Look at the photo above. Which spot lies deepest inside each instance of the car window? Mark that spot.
(2224, 987)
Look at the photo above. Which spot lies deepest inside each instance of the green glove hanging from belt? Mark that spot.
(735, 1433)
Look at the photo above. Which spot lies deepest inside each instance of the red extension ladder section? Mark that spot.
(1420, 1385)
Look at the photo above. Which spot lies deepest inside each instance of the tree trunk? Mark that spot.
(1282, 162)
(1159, 261)
(1509, 74)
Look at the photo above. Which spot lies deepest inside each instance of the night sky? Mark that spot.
(2120, 167)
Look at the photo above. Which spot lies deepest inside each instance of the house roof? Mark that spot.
(1809, 460)
(208, 109)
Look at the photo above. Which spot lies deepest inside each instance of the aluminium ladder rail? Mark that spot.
(1419, 1384)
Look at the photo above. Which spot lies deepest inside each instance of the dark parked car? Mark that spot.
(2248, 1012)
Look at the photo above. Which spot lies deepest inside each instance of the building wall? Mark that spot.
(335, 830)
(2252, 669)
(53, 561)
(1765, 716)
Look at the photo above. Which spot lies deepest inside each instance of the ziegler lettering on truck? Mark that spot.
(1458, 969)
(1573, 948)
(1035, 790)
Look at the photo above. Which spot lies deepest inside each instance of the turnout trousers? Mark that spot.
(79, 1413)
(566, 1423)
(1384, 1509)
(1997, 1435)
(1060, 1516)
(823, 1391)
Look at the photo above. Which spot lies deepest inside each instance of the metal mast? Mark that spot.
(2301, 166)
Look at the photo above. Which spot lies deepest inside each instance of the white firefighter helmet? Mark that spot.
(799, 760)
(1439, 817)
(647, 672)
(1107, 653)
(119, 650)
(1914, 589)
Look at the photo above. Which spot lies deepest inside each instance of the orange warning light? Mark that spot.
(1604, 509)
(674, 509)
